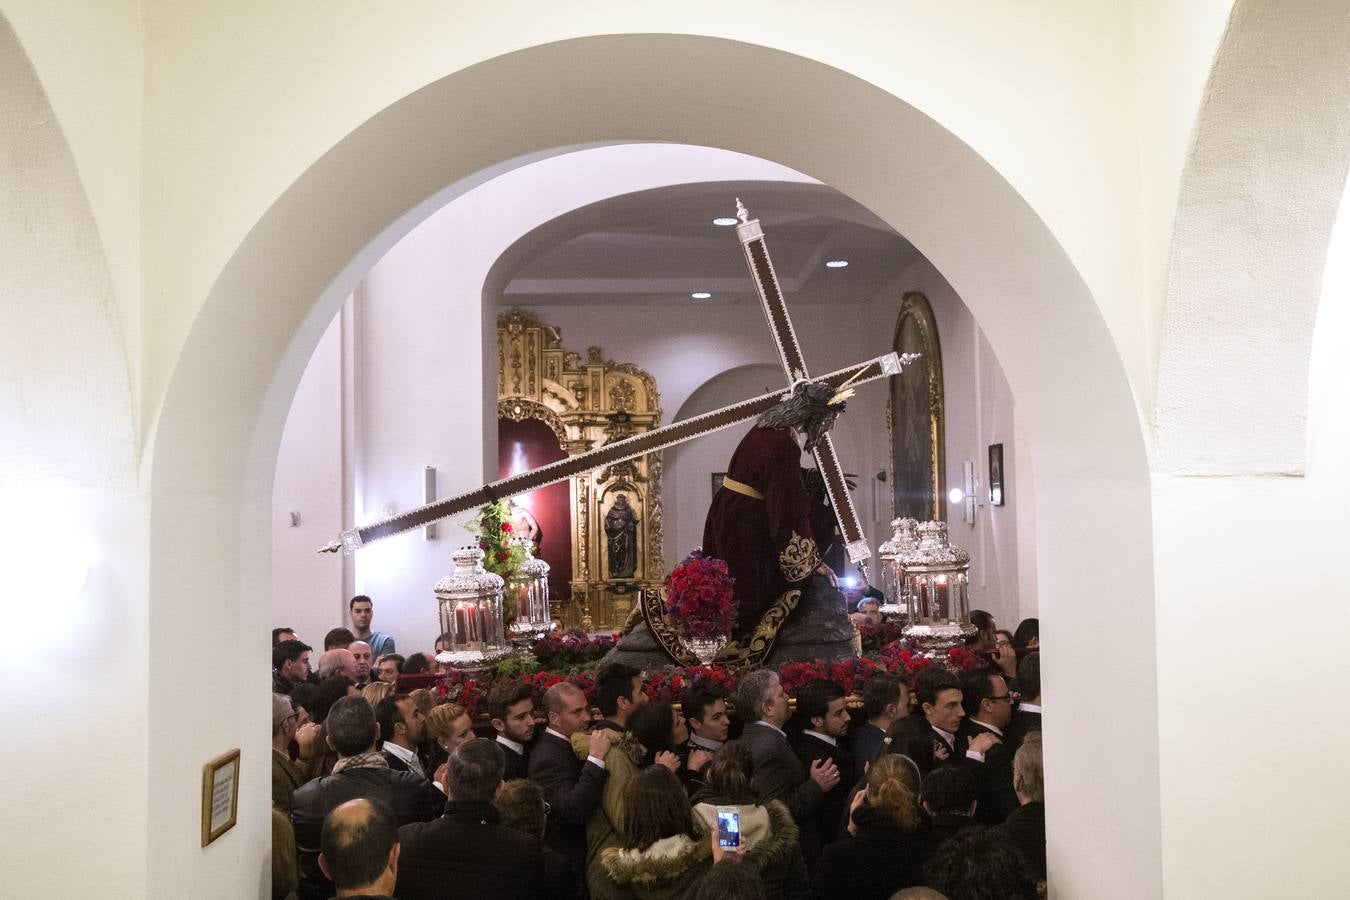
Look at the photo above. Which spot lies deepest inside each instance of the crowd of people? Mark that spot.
(929, 789)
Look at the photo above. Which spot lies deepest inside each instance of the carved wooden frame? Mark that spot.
(914, 307)
(587, 403)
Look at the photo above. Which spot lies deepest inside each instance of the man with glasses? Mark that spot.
(988, 704)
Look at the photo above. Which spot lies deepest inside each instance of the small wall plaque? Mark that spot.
(220, 796)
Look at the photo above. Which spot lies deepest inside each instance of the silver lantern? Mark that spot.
(904, 539)
(527, 588)
(470, 601)
(934, 579)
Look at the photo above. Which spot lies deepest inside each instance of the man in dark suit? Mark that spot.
(988, 706)
(779, 773)
(511, 708)
(1027, 717)
(1026, 826)
(468, 852)
(572, 788)
(949, 797)
(931, 739)
(361, 771)
(885, 700)
(822, 706)
(402, 725)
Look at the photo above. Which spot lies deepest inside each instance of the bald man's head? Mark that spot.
(360, 651)
(335, 661)
(358, 850)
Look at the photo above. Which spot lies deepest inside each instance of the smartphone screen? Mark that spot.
(728, 826)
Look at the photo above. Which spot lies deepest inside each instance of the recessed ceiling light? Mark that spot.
(701, 295)
(836, 263)
(724, 220)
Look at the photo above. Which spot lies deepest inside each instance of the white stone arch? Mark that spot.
(215, 448)
(1258, 199)
(69, 498)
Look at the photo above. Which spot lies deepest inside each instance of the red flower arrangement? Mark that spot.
(699, 597)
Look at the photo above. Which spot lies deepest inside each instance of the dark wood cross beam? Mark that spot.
(618, 451)
(794, 367)
(766, 282)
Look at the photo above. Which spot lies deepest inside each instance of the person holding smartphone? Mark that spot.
(762, 836)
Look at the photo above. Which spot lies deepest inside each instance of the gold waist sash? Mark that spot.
(741, 487)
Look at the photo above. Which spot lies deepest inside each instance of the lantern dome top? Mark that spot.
(933, 549)
(903, 540)
(469, 576)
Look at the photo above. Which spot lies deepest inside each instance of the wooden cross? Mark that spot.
(752, 237)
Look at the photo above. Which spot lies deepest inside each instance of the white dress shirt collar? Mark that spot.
(704, 743)
(824, 737)
(507, 742)
(1030, 707)
(772, 726)
(994, 728)
(406, 755)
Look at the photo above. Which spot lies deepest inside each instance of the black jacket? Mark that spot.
(410, 797)
(1026, 827)
(517, 764)
(779, 773)
(572, 790)
(822, 826)
(866, 745)
(993, 777)
(1022, 723)
(468, 854)
(879, 861)
(917, 739)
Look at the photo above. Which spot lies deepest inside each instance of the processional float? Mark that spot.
(751, 235)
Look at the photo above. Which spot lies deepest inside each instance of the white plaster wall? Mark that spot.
(307, 589)
(418, 355)
(983, 71)
(73, 527)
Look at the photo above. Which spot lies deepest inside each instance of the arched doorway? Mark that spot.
(217, 437)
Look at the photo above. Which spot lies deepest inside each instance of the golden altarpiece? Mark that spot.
(616, 511)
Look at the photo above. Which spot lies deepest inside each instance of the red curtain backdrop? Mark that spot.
(526, 445)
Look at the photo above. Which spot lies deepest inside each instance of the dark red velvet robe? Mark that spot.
(768, 543)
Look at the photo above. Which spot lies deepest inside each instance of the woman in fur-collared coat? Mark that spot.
(665, 850)
(769, 836)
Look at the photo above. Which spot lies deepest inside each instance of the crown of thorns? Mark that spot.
(809, 409)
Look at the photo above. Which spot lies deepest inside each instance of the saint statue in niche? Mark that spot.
(621, 533)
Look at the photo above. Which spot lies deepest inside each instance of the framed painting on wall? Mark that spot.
(914, 417)
(995, 474)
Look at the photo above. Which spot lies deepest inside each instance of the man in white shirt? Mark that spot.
(511, 707)
(824, 707)
(572, 788)
(402, 726)
(988, 702)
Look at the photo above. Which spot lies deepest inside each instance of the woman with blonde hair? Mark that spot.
(376, 691)
(885, 850)
(448, 725)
